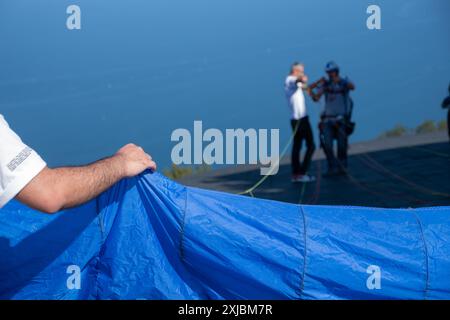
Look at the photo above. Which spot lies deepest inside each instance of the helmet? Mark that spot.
(331, 66)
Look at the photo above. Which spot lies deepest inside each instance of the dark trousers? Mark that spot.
(304, 132)
(448, 122)
(335, 130)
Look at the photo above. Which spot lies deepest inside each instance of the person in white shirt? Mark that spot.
(24, 175)
(295, 83)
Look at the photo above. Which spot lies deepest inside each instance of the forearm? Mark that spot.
(55, 189)
(77, 185)
(315, 84)
(315, 96)
(61, 188)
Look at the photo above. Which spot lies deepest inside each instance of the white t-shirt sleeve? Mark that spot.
(19, 164)
(291, 84)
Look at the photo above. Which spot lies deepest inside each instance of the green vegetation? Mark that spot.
(442, 125)
(397, 131)
(427, 126)
(177, 172)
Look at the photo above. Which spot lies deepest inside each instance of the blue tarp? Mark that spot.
(151, 238)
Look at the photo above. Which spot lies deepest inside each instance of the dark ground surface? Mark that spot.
(401, 172)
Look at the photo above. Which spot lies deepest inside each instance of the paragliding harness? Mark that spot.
(346, 122)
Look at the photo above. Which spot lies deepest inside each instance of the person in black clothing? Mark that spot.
(295, 83)
(446, 105)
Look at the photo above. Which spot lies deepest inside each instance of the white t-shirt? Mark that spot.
(296, 98)
(19, 164)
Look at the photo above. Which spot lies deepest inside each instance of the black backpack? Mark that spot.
(349, 124)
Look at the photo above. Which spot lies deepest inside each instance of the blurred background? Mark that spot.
(139, 69)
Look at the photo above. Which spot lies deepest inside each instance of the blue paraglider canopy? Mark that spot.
(151, 238)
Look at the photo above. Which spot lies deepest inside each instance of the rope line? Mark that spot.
(302, 194)
(283, 153)
(381, 195)
(376, 163)
(440, 154)
(368, 161)
(402, 194)
(363, 187)
(355, 181)
(406, 181)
